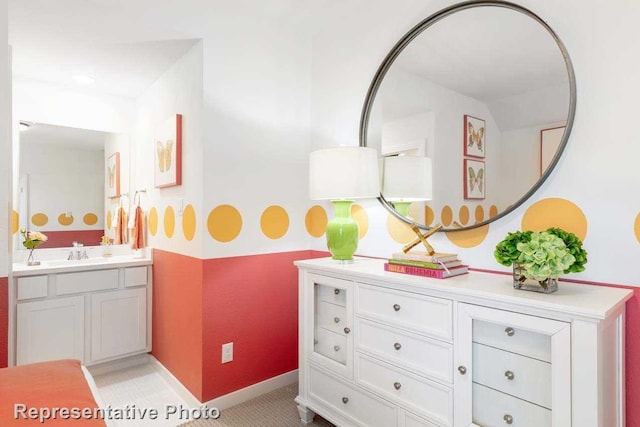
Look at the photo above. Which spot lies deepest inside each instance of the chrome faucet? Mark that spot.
(78, 253)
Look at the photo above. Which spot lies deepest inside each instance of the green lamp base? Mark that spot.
(342, 232)
(402, 208)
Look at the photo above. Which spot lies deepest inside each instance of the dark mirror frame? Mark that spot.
(415, 32)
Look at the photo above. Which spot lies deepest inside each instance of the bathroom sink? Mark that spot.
(70, 262)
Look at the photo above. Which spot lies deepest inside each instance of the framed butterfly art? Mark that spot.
(475, 179)
(112, 177)
(168, 153)
(475, 134)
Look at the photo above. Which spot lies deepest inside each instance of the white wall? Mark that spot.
(598, 171)
(5, 143)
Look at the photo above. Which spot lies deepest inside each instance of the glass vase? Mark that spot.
(521, 282)
(31, 260)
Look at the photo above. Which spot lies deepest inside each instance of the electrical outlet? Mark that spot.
(227, 352)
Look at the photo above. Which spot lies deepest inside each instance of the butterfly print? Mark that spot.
(164, 155)
(476, 179)
(475, 137)
(112, 176)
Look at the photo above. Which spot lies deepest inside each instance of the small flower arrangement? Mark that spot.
(104, 240)
(541, 255)
(32, 239)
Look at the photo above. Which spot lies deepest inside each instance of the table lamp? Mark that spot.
(343, 174)
(406, 179)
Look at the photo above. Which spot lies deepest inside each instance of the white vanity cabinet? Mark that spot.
(94, 315)
(380, 349)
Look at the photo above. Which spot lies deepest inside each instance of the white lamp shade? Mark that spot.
(407, 178)
(344, 173)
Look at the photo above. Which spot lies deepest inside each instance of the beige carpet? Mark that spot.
(274, 409)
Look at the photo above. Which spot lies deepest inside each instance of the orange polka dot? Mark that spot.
(224, 223)
(446, 215)
(316, 221)
(463, 214)
(65, 220)
(153, 221)
(15, 220)
(359, 214)
(636, 227)
(479, 213)
(493, 211)
(39, 219)
(429, 215)
(399, 231)
(90, 218)
(274, 222)
(555, 212)
(169, 222)
(468, 238)
(189, 222)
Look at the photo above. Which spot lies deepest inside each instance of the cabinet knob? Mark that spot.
(345, 400)
(462, 369)
(397, 346)
(396, 307)
(509, 331)
(508, 419)
(347, 330)
(510, 376)
(336, 348)
(336, 319)
(397, 385)
(336, 291)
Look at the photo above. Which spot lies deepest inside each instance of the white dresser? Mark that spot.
(382, 349)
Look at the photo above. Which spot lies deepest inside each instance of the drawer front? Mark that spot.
(331, 345)
(86, 281)
(432, 400)
(332, 317)
(32, 287)
(515, 340)
(492, 408)
(520, 376)
(358, 405)
(432, 316)
(411, 420)
(419, 354)
(333, 295)
(135, 276)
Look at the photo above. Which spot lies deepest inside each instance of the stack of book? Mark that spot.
(438, 265)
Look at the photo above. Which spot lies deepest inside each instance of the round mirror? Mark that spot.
(487, 91)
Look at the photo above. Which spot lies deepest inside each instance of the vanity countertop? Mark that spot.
(20, 269)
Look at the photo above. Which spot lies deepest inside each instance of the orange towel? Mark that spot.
(137, 231)
(121, 227)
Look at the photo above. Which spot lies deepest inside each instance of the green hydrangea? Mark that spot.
(545, 255)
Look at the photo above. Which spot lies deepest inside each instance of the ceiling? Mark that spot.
(83, 139)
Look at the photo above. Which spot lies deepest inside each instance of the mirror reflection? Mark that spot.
(485, 93)
(67, 182)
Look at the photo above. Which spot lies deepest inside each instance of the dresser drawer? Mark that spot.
(86, 281)
(331, 345)
(432, 316)
(411, 420)
(135, 276)
(422, 355)
(332, 294)
(492, 408)
(363, 408)
(32, 287)
(530, 378)
(332, 317)
(420, 395)
(512, 339)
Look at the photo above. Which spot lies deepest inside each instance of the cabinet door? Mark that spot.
(50, 330)
(118, 323)
(495, 350)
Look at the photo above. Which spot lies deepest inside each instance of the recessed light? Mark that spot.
(83, 80)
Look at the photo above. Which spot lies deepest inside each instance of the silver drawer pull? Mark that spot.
(397, 346)
(345, 400)
(509, 331)
(336, 291)
(336, 348)
(462, 369)
(396, 307)
(508, 419)
(510, 376)
(397, 386)
(336, 319)
(347, 330)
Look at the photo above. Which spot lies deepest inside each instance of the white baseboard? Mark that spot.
(116, 365)
(255, 390)
(175, 384)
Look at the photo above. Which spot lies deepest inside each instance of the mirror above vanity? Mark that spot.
(67, 182)
(487, 91)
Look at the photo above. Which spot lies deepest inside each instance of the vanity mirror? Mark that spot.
(64, 182)
(474, 86)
